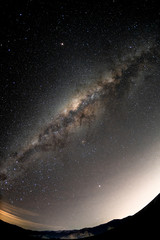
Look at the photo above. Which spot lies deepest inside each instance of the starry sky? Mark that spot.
(79, 109)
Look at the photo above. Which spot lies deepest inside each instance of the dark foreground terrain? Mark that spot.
(145, 223)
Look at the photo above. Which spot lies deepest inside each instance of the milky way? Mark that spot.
(83, 109)
(80, 119)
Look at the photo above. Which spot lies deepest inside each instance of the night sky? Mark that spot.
(80, 111)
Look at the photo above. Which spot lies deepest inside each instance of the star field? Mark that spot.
(79, 111)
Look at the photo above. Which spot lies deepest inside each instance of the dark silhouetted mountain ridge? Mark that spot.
(145, 223)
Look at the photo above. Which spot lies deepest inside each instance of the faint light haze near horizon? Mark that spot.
(80, 119)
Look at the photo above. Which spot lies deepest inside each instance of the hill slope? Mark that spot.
(145, 223)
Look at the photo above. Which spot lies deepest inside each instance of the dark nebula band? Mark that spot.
(83, 110)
